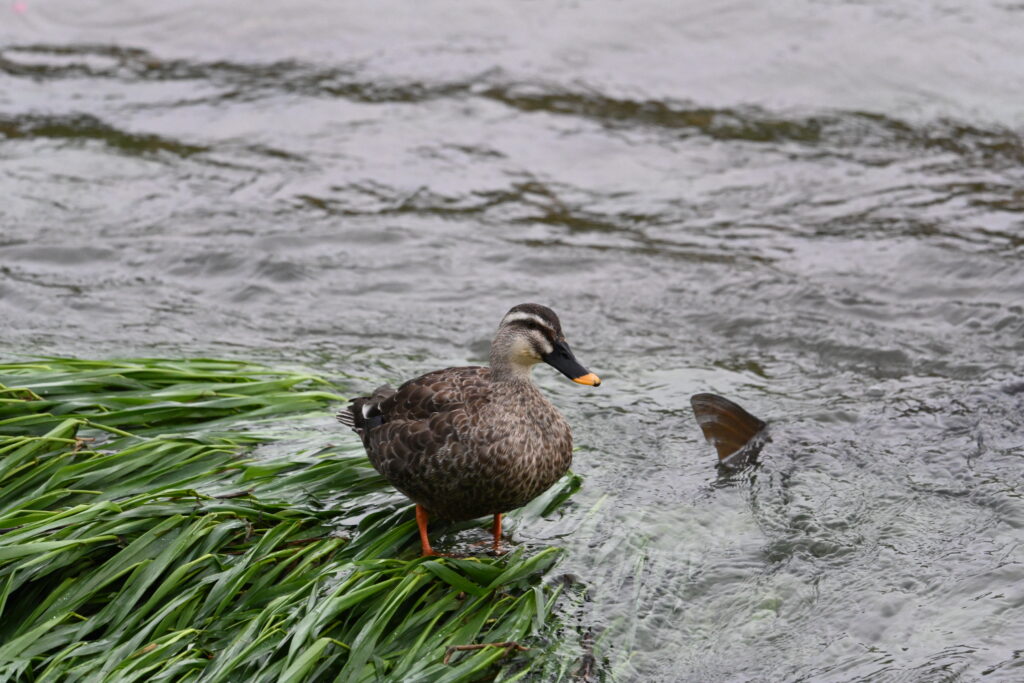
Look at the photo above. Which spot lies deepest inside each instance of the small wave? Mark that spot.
(836, 131)
(88, 127)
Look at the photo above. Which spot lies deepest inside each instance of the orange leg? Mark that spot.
(421, 521)
(496, 530)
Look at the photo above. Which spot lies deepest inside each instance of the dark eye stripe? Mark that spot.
(534, 325)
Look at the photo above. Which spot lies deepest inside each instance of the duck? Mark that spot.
(736, 435)
(474, 441)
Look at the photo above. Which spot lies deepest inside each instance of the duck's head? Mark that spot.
(530, 334)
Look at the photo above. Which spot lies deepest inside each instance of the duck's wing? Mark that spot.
(436, 392)
(421, 458)
(416, 436)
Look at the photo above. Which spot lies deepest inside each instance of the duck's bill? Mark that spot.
(561, 359)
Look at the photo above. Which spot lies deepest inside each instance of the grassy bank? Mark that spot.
(205, 521)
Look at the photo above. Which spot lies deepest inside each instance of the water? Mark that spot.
(811, 207)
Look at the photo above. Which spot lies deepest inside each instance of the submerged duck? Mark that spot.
(737, 435)
(474, 441)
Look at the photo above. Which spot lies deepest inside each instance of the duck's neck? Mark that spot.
(511, 372)
(504, 369)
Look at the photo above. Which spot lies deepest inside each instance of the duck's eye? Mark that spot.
(534, 326)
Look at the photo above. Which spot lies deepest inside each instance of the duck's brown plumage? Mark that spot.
(472, 441)
(463, 446)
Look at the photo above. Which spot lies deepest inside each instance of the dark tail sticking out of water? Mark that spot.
(737, 435)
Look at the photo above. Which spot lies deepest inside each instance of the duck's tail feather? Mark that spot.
(364, 412)
(346, 417)
(737, 435)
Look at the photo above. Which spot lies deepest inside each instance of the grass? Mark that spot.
(191, 521)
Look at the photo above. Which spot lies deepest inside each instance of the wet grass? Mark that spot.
(190, 521)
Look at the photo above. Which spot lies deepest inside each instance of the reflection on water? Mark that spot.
(813, 208)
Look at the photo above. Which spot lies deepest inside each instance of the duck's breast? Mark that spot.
(518, 451)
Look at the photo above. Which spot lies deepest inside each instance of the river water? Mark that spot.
(813, 207)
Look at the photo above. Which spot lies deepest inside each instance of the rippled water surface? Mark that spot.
(814, 207)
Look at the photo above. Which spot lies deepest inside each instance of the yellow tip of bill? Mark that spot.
(590, 379)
